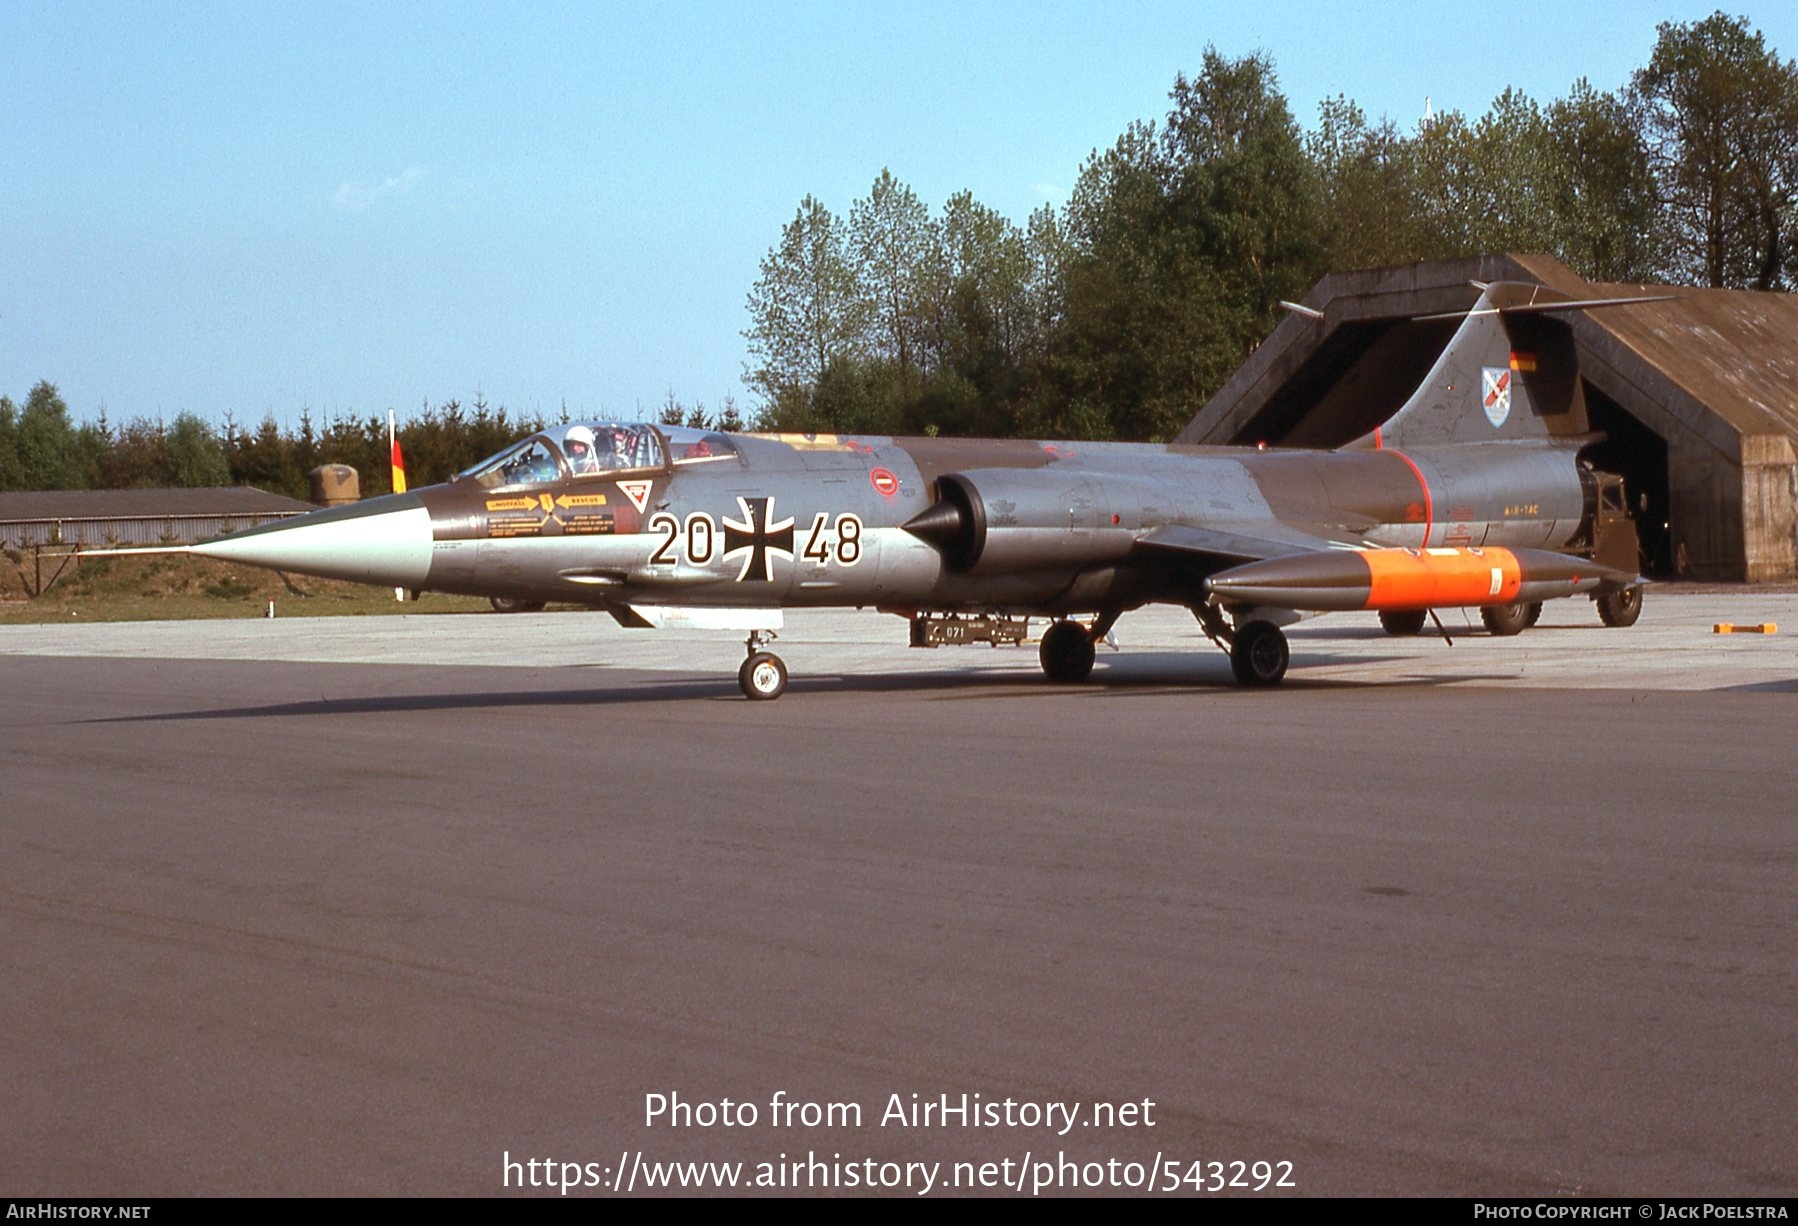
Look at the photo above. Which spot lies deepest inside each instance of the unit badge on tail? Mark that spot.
(1495, 394)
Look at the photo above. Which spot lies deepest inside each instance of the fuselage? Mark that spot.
(697, 518)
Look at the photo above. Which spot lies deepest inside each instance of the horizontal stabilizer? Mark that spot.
(1543, 308)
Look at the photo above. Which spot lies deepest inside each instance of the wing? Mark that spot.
(1230, 544)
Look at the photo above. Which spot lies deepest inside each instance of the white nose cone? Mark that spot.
(367, 543)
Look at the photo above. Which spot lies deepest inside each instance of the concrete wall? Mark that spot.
(1770, 507)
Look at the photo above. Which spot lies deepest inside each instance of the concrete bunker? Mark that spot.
(1697, 397)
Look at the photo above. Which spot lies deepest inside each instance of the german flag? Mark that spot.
(399, 462)
(1523, 363)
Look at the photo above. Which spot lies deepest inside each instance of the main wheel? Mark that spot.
(1620, 608)
(763, 676)
(1506, 619)
(1066, 653)
(1535, 607)
(1401, 625)
(514, 604)
(1259, 654)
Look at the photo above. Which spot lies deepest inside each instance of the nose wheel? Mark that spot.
(764, 675)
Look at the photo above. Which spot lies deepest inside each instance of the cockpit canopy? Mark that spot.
(598, 449)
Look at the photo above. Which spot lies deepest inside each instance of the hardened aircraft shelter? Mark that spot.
(1697, 397)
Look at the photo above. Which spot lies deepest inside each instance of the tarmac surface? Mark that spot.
(376, 906)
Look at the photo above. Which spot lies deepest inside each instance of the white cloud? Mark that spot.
(355, 197)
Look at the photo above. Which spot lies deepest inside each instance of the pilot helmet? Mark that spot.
(578, 443)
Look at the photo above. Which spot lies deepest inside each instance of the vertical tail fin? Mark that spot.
(1510, 372)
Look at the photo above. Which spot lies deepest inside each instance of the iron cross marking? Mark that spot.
(757, 537)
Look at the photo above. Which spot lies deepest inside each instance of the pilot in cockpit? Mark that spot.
(578, 445)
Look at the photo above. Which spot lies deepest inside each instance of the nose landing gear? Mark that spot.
(764, 675)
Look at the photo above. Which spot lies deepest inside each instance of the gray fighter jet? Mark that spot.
(1472, 495)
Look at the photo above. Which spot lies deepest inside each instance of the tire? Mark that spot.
(1620, 608)
(1405, 624)
(1066, 653)
(1505, 620)
(1259, 654)
(763, 677)
(515, 604)
(1535, 614)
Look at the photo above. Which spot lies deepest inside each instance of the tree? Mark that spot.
(193, 455)
(12, 471)
(988, 263)
(1721, 114)
(1124, 273)
(1512, 178)
(1047, 248)
(1181, 241)
(133, 457)
(804, 309)
(898, 272)
(266, 459)
(50, 450)
(1242, 182)
(1368, 187)
(1605, 207)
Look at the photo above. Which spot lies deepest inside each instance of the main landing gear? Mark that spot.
(1501, 620)
(1404, 623)
(1505, 620)
(764, 674)
(1257, 648)
(1258, 654)
(1067, 653)
(1620, 608)
(1616, 608)
(1068, 648)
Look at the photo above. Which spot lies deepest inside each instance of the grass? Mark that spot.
(180, 588)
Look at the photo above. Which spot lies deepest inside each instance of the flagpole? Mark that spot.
(398, 464)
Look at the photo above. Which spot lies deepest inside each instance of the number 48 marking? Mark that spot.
(845, 544)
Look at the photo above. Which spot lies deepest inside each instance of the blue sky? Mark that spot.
(349, 207)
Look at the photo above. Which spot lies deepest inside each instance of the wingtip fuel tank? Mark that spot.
(1405, 580)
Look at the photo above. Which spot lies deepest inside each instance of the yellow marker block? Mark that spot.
(1732, 628)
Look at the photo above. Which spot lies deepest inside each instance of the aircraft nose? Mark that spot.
(384, 540)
